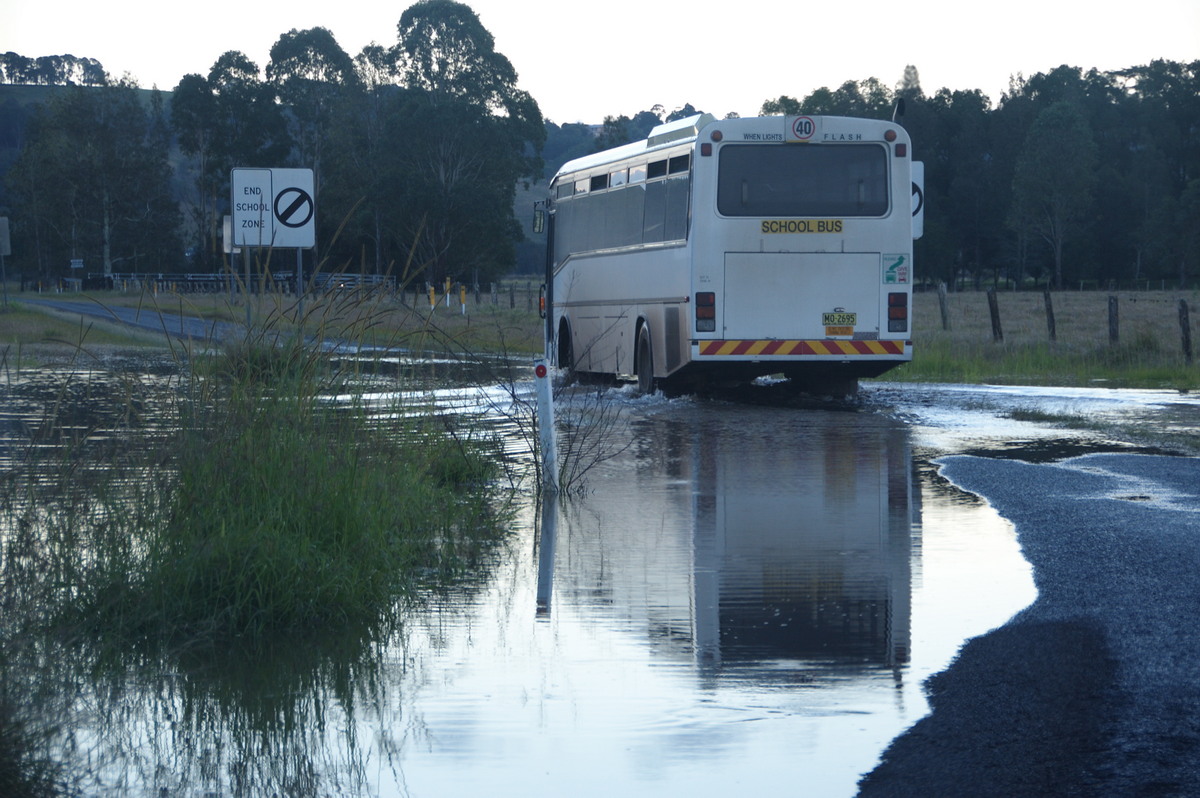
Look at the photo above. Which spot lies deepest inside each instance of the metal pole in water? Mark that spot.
(545, 423)
(548, 538)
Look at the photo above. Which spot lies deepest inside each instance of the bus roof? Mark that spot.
(664, 135)
(821, 128)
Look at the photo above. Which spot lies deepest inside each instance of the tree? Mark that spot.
(51, 70)
(1164, 160)
(909, 86)
(618, 130)
(565, 143)
(100, 154)
(1188, 226)
(865, 98)
(449, 190)
(783, 105)
(1055, 178)
(225, 120)
(310, 71)
(479, 136)
(682, 113)
(445, 50)
(361, 159)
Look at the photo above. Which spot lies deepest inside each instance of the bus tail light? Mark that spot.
(898, 312)
(706, 311)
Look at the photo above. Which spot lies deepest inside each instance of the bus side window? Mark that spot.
(676, 217)
(657, 169)
(637, 174)
(655, 215)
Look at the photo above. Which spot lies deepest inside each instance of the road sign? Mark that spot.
(227, 237)
(274, 207)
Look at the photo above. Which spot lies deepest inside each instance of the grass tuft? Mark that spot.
(278, 503)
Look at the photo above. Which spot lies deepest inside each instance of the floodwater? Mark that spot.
(741, 600)
(745, 600)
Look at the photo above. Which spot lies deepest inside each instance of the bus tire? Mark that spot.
(645, 363)
(566, 353)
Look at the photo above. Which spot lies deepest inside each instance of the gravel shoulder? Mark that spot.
(1095, 688)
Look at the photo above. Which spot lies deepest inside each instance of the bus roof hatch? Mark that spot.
(679, 129)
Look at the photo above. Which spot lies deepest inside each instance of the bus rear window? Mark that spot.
(803, 180)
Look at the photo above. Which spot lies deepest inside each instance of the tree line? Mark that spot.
(51, 70)
(1072, 176)
(418, 149)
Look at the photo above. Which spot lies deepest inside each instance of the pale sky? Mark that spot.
(585, 59)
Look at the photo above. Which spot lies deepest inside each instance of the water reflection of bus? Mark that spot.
(782, 538)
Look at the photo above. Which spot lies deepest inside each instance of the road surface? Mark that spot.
(146, 318)
(1093, 690)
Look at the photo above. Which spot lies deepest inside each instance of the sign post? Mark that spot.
(5, 251)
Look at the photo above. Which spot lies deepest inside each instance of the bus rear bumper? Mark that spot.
(826, 365)
(799, 350)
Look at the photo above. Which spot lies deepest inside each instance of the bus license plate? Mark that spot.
(839, 319)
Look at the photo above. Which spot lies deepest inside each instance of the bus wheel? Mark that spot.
(566, 354)
(645, 363)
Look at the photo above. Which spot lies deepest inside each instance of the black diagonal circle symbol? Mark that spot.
(293, 207)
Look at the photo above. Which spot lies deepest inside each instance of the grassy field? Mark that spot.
(37, 333)
(1148, 353)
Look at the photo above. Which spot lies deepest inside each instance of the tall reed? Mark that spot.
(282, 502)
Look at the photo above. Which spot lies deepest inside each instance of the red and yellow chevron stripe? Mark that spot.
(825, 347)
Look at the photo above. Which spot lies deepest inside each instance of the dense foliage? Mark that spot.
(419, 150)
(1071, 177)
(93, 181)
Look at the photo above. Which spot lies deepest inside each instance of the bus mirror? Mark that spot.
(539, 221)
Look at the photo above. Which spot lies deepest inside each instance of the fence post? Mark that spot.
(994, 309)
(1050, 316)
(1185, 331)
(942, 304)
(1114, 322)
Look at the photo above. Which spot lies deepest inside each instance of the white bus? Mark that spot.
(720, 251)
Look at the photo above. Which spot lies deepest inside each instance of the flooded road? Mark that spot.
(741, 600)
(745, 599)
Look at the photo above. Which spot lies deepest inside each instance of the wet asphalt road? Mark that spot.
(146, 318)
(1093, 690)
